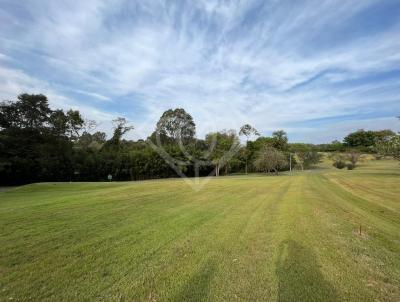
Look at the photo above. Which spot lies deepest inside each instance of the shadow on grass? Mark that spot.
(197, 288)
(299, 278)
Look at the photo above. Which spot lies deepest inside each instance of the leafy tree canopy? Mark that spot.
(270, 159)
(178, 125)
(362, 138)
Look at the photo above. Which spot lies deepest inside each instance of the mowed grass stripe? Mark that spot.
(286, 238)
(299, 273)
(191, 222)
(331, 233)
(388, 189)
(370, 258)
(213, 234)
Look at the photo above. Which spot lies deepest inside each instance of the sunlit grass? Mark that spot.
(293, 237)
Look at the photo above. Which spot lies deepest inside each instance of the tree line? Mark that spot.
(39, 144)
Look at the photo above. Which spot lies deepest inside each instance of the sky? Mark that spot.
(317, 69)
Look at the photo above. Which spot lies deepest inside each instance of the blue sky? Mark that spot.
(317, 69)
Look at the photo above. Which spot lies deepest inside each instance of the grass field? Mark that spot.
(293, 237)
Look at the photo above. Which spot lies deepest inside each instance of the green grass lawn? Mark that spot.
(293, 237)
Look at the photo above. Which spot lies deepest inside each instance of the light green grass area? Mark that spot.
(293, 237)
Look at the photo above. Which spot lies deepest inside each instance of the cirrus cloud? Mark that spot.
(274, 64)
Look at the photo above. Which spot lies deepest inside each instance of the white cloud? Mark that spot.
(226, 62)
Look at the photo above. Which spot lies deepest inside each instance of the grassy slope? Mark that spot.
(286, 238)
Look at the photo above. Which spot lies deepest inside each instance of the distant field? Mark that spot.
(293, 237)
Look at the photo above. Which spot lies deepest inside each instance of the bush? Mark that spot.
(339, 164)
(353, 157)
(350, 166)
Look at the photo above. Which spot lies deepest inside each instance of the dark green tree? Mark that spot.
(177, 125)
(366, 139)
(34, 141)
(280, 140)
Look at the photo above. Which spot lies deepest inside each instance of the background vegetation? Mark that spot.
(40, 144)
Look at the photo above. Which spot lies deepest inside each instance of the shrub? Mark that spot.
(353, 157)
(339, 164)
(350, 166)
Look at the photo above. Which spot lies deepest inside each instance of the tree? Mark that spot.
(31, 111)
(389, 144)
(178, 125)
(68, 124)
(121, 127)
(270, 159)
(75, 123)
(34, 140)
(89, 125)
(260, 142)
(335, 146)
(247, 131)
(362, 139)
(280, 140)
(58, 122)
(99, 137)
(305, 155)
(389, 147)
(92, 141)
(353, 157)
(222, 145)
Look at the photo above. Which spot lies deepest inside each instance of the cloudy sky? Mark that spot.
(317, 69)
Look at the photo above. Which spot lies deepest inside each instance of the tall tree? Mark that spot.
(34, 140)
(75, 123)
(178, 125)
(280, 140)
(247, 130)
(58, 121)
(30, 111)
(121, 127)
